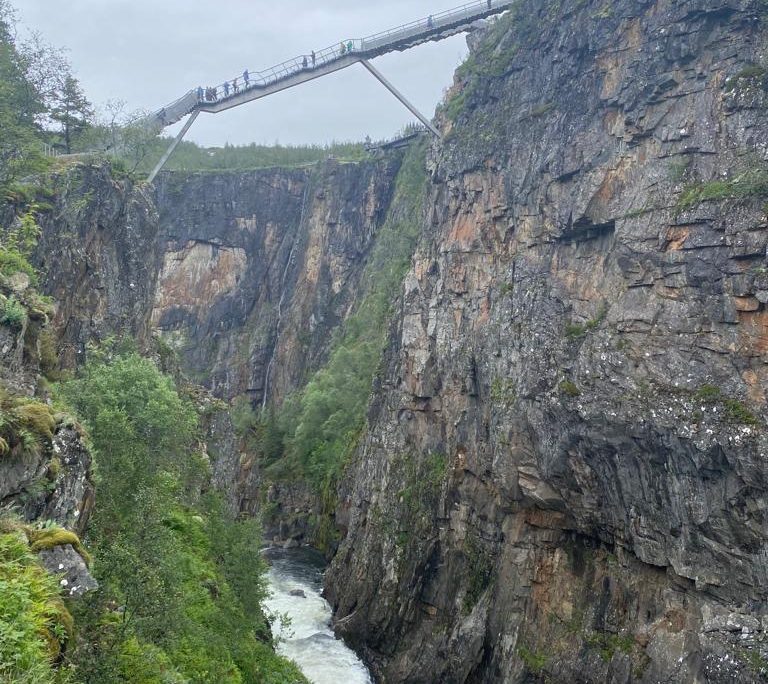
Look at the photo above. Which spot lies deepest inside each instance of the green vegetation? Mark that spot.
(569, 388)
(754, 660)
(26, 426)
(535, 661)
(576, 331)
(607, 643)
(17, 244)
(423, 479)
(36, 88)
(735, 410)
(542, 110)
(479, 572)
(491, 60)
(12, 312)
(50, 537)
(750, 183)
(312, 435)
(181, 583)
(191, 157)
(34, 624)
(678, 168)
(749, 73)
(503, 392)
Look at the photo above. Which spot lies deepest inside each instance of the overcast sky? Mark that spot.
(149, 52)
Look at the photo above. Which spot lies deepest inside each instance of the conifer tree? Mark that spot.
(72, 111)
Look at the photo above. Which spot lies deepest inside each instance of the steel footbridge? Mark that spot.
(254, 85)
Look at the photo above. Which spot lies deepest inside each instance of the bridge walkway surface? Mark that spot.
(250, 86)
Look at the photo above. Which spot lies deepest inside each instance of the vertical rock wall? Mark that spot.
(260, 268)
(564, 477)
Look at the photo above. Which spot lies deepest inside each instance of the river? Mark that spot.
(309, 640)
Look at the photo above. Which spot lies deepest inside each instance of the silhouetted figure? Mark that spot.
(342, 49)
(247, 78)
(489, 3)
(350, 46)
(200, 93)
(226, 88)
(314, 59)
(304, 62)
(430, 22)
(235, 87)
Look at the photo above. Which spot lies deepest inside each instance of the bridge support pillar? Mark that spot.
(173, 146)
(380, 77)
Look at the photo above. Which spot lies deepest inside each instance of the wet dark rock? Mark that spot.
(564, 476)
(260, 267)
(97, 253)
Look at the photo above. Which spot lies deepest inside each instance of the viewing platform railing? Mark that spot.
(407, 35)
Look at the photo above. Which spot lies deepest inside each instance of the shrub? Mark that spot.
(535, 661)
(38, 418)
(49, 356)
(12, 313)
(33, 620)
(188, 578)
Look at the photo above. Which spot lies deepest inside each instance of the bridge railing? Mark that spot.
(434, 21)
(351, 46)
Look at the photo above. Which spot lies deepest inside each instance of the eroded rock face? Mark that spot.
(97, 253)
(52, 483)
(260, 267)
(565, 471)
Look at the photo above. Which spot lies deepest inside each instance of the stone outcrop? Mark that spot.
(564, 476)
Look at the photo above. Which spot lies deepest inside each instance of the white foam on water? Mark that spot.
(309, 640)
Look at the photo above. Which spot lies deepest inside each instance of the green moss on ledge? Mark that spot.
(48, 538)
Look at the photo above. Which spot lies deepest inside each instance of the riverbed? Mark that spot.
(309, 640)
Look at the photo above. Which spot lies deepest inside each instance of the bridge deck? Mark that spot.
(298, 70)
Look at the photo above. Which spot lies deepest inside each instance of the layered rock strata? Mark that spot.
(564, 476)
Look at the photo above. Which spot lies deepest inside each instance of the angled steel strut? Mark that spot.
(250, 86)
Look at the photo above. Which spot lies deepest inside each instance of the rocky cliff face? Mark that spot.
(260, 268)
(97, 253)
(245, 275)
(564, 476)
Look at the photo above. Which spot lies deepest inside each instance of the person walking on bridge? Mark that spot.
(226, 88)
(430, 22)
(247, 79)
(342, 48)
(235, 87)
(489, 3)
(200, 93)
(314, 59)
(304, 62)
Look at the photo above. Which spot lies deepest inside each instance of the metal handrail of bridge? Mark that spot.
(341, 54)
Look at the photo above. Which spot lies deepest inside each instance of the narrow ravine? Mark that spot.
(295, 579)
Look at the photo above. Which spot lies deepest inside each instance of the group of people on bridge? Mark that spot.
(214, 94)
(310, 61)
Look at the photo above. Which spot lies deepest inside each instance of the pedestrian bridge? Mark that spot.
(253, 85)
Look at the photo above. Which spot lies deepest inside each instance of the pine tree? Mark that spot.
(72, 111)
